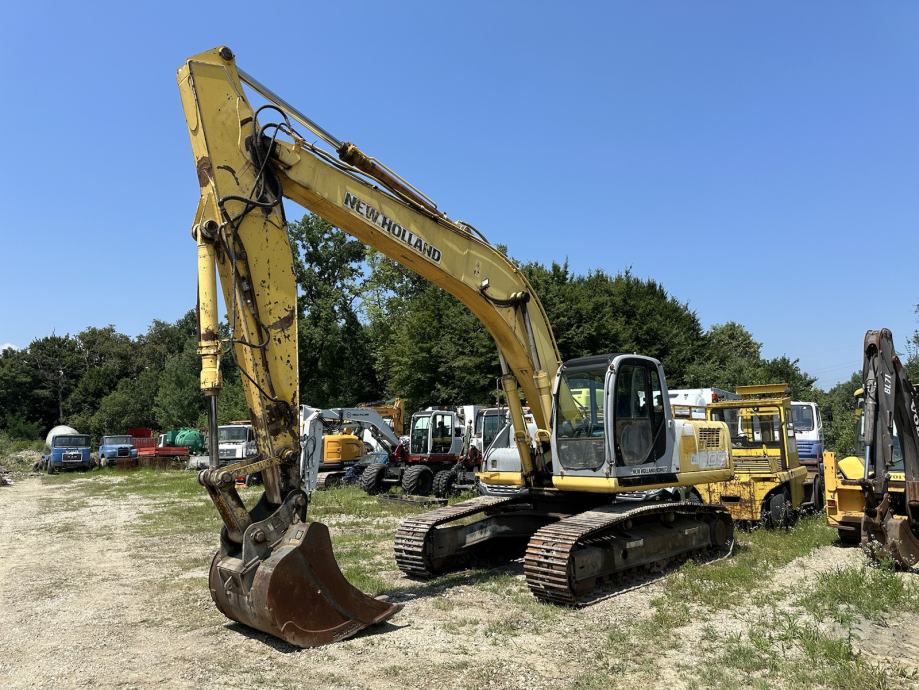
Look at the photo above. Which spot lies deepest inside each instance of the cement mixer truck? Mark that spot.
(66, 449)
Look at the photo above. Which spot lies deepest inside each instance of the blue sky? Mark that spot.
(761, 160)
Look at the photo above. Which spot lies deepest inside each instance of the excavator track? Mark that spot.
(412, 546)
(329, 480)
(569, 559)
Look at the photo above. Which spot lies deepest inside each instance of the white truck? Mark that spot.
(808, 426)
(689, 403)
(235, 442)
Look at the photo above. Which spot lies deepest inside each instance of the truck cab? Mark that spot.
(690, 403)
(115, 448)
(809, 436)
(66, 449)
(235, 442)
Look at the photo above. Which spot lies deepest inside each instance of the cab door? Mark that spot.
(442, 433)
(641, 430)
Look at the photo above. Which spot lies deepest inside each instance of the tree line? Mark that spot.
(370, 330)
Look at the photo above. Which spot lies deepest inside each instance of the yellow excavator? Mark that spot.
(392, 411)
(604, 424)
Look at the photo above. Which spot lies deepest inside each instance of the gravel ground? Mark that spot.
(87, 600)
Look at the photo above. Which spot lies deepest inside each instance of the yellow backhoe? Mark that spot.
(604, 424)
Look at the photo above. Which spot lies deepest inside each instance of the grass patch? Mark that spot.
(458, 625)
(780, 650)
(355, 503)
(756, 555)
(846, 594)
(506, 627)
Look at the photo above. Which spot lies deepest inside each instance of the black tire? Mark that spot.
(443, 483)
(418, 481)
(849, 536)
(50, 467)
(817, 494)
(777, 512)
(372, 479)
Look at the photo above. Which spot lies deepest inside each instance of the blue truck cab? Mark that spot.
(115, 447)
(66, 449)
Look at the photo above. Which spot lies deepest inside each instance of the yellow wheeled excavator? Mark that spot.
(604, 424)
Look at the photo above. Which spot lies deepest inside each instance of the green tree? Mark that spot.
(130, 404)
(108, 357)
(20, 407)
(912, 355)
(730, 357)
(840, 423)
(597, 313)
(178, 401)
(334, 350)
(57, 366)
(785, 370)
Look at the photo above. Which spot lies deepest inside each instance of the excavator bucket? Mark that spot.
(297, 593)
(901, 543)
(885, 534)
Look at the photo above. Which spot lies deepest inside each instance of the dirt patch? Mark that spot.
(97, 589)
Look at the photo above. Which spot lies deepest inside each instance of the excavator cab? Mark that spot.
(613, 427)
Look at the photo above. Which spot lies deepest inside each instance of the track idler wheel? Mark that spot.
(297, 593)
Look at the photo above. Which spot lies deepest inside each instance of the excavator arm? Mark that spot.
(274, 571)
(890, 402)
(245, 168)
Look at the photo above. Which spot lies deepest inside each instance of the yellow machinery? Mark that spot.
(845, 498)
(393, 412)
(890, 524)
(768, 483)
(343, 440)
(604, 424)
(342, 447)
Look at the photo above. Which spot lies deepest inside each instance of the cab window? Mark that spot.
(418, 443)
(638, 409)
(491, 425)
(580, 428)
(442, 433)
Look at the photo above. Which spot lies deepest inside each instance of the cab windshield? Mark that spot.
(802, 416)
(488, 425)
(71, 441)
(232, 433)
(579, 418)
(752, 427)
(116, 440)
(418, 442)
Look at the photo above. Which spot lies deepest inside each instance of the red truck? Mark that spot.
(150, 454)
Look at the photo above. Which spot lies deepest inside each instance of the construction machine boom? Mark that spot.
(393, 410)
(604, 424)
(891, 520)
